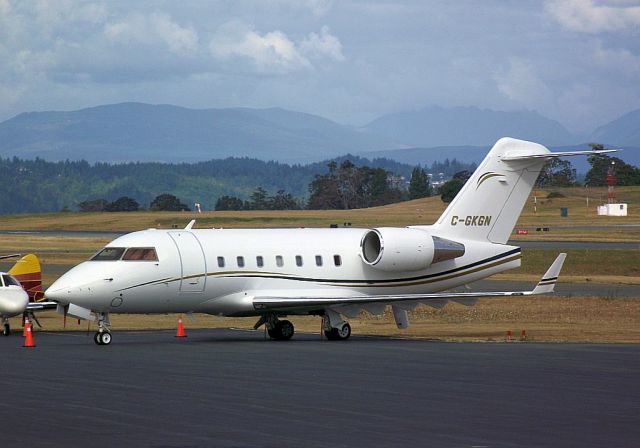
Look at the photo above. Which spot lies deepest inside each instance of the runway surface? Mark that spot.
(226, 388)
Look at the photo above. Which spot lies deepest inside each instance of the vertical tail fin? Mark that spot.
(27, 271)
(489, 204)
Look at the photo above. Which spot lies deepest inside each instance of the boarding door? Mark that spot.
(194, 267)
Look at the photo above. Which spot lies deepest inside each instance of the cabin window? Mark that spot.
(240, 262)
(279, 261)
(298, 260)
(109, 254)
(318, 260)
(9, 281)
(337, 260)
(260, 261)
(140, 254)
(220, 262)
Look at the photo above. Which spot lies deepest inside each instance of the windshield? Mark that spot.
(109, 254)
(140, 254)
(9, 281)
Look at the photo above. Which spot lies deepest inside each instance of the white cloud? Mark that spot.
(5, 8)
(620, 61)
(323, 44)
(149, 29)
(273, 51)
(588, 17)
(521, 84)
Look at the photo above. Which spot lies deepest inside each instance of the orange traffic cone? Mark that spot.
(509, 336)
(523, 335)
(24, 327)
(28, 339)
(180, 330)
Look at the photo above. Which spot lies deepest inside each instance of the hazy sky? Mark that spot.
(576, 61)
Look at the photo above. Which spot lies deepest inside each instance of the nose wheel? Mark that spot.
(6, 329)
(103, 335)
(103, 338)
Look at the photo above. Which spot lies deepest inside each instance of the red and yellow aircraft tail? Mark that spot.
(27, 271)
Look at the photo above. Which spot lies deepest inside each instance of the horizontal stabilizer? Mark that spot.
(519, 155)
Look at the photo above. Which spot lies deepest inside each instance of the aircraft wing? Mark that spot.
(281, 303)
(42, 305)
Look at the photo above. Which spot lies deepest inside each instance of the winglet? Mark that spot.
(548, 281)
(190, 225)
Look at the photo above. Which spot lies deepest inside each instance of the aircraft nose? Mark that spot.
(13, 303)
(77, 286)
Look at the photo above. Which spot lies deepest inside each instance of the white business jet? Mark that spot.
(333, 272)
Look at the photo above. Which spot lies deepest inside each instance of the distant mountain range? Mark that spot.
(144, 132)
(625, 131)
(459, 126)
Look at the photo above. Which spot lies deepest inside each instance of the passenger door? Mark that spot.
(194, 266)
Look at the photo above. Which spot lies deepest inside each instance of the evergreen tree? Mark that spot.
(597, 176)
(259, 199)
(419, 186)
(450, 189)
(123, 204)
(167, 202)
(96, 205)
(229, 203)
(556, 173)
(283, 201)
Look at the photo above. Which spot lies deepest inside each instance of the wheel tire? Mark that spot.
(105, 338)
(330, 334)
(344, 332)
(273, 334)
(6, 330)
(284, 330)
(96, 338)
(336, 334)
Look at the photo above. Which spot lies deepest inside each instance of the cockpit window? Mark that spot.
(109, 254)
(9, 281)
(140, 254)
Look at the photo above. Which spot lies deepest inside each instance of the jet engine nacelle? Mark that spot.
(406, 249)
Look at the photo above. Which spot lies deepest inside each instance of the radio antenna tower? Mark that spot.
(611, 181)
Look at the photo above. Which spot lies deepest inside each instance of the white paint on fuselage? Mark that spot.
(155, 287)
(13, 301)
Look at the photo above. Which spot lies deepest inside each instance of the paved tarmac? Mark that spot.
(226, 388)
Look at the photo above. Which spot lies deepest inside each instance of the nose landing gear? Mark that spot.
(103, 335)
(6, 328)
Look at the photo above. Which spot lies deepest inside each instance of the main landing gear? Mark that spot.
(335, 329)
(103, 335)
(280, 330)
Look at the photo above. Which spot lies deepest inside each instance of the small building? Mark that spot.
(612, 210)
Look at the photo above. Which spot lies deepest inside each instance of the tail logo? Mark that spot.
(486, 176)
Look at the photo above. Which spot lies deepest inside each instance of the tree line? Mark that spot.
(43, 186)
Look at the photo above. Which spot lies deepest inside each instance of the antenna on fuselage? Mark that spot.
(190, 225)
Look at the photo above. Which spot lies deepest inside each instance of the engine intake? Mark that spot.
(405, 249)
